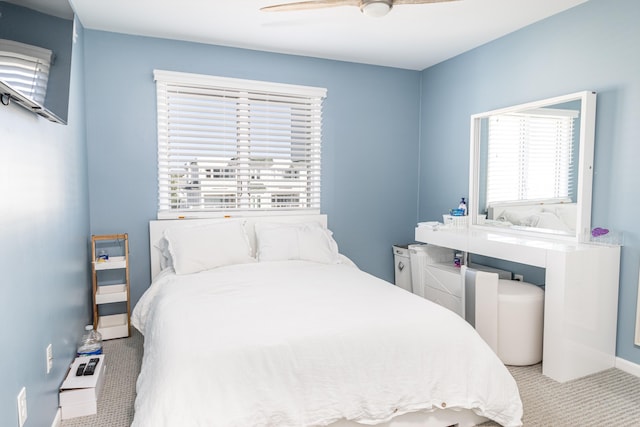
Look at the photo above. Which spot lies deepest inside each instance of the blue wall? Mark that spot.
(370, 140)
(591, 47)
(377, 120)
(45, 288)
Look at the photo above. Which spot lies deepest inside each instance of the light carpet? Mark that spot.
(609, 398)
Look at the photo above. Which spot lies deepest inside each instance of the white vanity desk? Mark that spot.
(581, 298)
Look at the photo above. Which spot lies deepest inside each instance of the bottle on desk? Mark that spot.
(463, 206)
(458, 259)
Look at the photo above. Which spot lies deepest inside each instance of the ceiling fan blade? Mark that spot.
(312, 4)
(395, 2)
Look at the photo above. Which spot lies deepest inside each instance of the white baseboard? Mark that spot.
(57, 420)
(629, 367)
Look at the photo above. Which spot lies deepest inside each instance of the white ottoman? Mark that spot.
(520, 322)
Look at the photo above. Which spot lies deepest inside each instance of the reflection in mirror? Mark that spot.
(531, 167)
(35, 56)
(25, 68)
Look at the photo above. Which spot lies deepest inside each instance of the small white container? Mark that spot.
(455, 221)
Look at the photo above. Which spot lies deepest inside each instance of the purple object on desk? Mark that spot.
(599, 231)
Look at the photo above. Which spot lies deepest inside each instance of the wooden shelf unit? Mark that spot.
(113, 325)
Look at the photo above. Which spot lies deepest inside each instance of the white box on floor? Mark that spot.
(79, 394)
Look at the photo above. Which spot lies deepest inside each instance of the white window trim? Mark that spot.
(205, 80)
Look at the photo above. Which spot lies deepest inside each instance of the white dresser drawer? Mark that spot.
(444, 299)
(445, 278)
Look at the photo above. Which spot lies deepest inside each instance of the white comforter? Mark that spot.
(304, 344)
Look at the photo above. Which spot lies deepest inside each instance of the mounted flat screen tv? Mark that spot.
(35, 60)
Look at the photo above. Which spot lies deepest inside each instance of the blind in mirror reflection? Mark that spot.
(25, 68)
(537, 148)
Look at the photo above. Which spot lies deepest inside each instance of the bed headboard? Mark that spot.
(157, 227)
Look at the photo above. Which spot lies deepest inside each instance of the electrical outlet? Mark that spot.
(518, 277)
(49, 356)
(22, 406)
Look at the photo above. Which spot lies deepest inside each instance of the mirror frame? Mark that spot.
(585, 166)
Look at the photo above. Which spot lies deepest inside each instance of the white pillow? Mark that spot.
(308, 241)
(550, 221)
(163, 253)
(203, 247)
(525, 218)
(567, 212)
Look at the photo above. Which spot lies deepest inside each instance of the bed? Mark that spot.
(262, 322)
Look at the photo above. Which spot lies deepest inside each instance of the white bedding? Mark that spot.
(298, 343)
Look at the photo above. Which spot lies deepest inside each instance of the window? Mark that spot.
(228, 145)
(534, 143)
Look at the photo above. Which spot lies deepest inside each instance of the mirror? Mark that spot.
(35, 57)
(531, 167)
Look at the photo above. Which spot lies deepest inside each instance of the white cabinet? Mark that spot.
(442, 283)
(581, 293)
(110, 280)
(437, 278)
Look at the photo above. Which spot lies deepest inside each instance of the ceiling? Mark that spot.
(411, 36)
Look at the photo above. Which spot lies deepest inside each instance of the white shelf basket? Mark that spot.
(107, 294)
(113, 326)
(112, 263)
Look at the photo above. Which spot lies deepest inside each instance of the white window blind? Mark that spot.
(236, 145)
(25, 68)
(534, 144)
